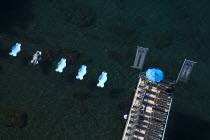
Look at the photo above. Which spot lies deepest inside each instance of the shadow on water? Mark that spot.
(184, 127)
(26, 61)
(71, 77)
(4, 54)
(15, 14)
(46, 66)
(92, 85)
(115, 92)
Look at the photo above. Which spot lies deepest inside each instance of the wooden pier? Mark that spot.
(148, 116)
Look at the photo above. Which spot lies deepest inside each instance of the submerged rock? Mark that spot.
(16, 118)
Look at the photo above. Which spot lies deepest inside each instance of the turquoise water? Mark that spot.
(102, 35)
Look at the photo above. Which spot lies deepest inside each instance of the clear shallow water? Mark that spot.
(59, 106)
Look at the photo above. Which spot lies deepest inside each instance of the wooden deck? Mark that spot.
(148, 115)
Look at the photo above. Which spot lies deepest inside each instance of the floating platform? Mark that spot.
(149, 112)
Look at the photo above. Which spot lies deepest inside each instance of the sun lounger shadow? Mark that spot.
(153, 134)
(166, 89)
(138, 134)
(159, 116)
(159, 110)
(155, 121)
(149, 98)
(148, 104)
(162, 103)
(156, 128)
(140, 127)
(151, 93)
(143, 123)
(151, 138)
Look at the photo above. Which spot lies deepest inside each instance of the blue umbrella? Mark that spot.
(154, 75)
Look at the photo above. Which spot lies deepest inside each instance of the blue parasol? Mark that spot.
(154, 75)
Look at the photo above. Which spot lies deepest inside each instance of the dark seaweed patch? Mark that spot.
(16, 118)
